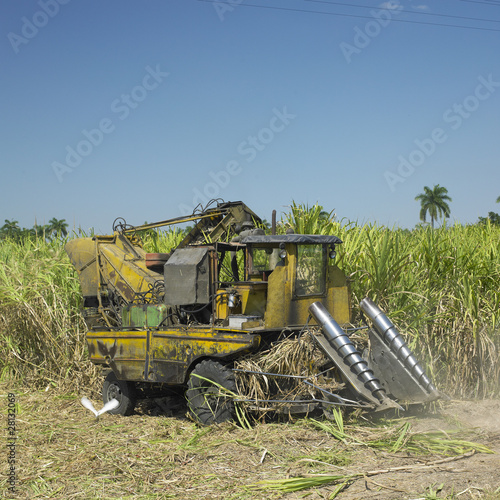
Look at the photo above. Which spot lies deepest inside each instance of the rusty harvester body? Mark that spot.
(226, 291)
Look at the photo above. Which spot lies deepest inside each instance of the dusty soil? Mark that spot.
(64, 452)
(476, 476)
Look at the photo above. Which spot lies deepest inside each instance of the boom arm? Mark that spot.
(214, 224)
(113, 270)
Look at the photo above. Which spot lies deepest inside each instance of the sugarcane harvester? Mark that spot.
(226, 291)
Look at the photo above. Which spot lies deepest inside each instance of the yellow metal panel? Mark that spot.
(81, 252)
(336, 277)
(339, 295)
(342, 305)
(173, 351)
(222, 309)
(123, 275)
(284, 310)
(243, 293)
(123, 351)
(278, 298)
(120, 259)
(253, 297)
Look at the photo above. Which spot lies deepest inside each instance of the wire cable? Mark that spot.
(497, 4)
(329, 2)
(308, 11)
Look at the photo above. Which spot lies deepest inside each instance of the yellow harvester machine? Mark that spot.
(228, 289)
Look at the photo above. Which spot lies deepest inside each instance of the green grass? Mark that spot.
(398, 436)
(440, 287)
(41, 328)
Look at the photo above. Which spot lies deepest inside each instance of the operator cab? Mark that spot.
(306, 254)
(282, 275)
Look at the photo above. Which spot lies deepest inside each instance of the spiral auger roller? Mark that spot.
(400, 372)
(391, 371)
(339, 348)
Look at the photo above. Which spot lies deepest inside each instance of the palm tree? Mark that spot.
(433, 201)
(57, 227)
(10, 229)
(498, 199)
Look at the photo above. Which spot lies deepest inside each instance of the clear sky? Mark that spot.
(142, 109)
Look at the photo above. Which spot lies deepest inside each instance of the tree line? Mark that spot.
(433, 204)
(55, 228)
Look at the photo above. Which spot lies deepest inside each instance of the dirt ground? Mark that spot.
(63, 451)
(477, 476)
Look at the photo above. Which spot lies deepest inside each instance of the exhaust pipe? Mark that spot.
(344, 347)
(393, 339)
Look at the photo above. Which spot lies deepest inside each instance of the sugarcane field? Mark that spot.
(219, 355)
(250, 250)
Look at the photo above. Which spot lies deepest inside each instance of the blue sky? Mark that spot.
(144, 109)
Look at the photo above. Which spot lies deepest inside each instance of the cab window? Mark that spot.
(260, 259)
(311, 269)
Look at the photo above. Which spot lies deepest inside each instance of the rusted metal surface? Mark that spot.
(173, 352)
(156, 261)
(82, 254)
(164, 355)
(124, 352)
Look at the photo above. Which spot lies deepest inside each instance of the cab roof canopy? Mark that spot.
(299, 239)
